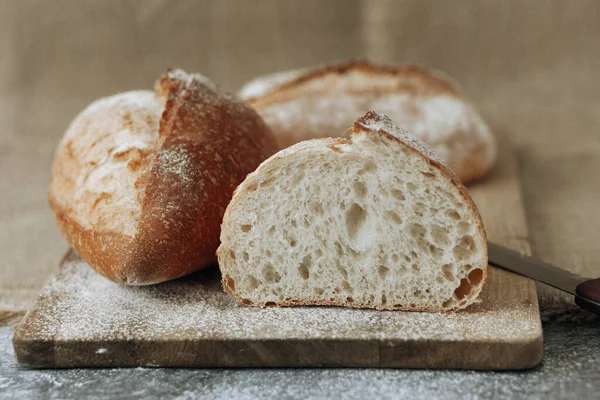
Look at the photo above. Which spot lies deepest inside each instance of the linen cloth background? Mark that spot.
(531, 68)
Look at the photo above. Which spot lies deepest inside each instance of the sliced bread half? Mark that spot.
(374, 220)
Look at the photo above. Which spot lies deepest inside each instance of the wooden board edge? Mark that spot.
(32, 350)
(492, 356)
(296, 353)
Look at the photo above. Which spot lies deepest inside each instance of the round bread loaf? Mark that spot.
(323, 101)
(141, 179)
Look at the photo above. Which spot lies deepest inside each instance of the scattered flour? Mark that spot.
(89, 308)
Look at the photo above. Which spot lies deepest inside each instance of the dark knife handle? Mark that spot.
(588, 295)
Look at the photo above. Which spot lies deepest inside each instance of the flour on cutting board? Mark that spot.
(86, 306)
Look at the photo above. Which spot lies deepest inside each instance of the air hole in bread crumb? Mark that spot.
(270, 303)
(411, 186)
(271, 230)
(383, 299)
(476, 276)
(448, 272)
(252, 282)
(230, 283)
(447, 303)
(245, 256)
(346, 286)
(293, 242)
(394, 217)
(395, 258)
(398, 306)
(318, 253)
(252, 187)
(419, 209)
(304, 266)
(355, 219)
(269, 273)
(467, 242)
(368, 167)
(246, 301)
(398, 194)
(232, 254)
(349, 299)
(383, 271)
(293, 223)
(463, 290)
(428, 174)
(417, 231)
(319, 291)
(372, 298)
(316, 208)
(453, 215)
(463, 228)
(435, 251)
(267, 181)
(465, 248)
(439, 279)
(360, 189)
(440, 235)
(246, 228)
(413, 305)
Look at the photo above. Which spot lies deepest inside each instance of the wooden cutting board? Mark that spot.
(84, 320)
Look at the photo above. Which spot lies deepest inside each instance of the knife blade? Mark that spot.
(586, 291)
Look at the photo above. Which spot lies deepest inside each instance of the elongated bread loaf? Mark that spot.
(323, 101)
(141, 179)
(375, 220)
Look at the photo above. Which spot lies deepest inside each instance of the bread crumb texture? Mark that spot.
(375, 221)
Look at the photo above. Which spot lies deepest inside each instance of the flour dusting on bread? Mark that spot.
(322, 101)
(141, 179)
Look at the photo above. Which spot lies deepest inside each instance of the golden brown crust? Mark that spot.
(319, 102)
(414, 79)
(207, 143)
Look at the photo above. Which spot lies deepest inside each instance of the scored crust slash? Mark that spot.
(141, 179)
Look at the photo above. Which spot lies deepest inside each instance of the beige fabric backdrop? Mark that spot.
(530, 67)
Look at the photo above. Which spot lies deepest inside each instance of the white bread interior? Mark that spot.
(373, 221)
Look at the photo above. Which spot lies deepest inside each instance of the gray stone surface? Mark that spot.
(570, 370)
